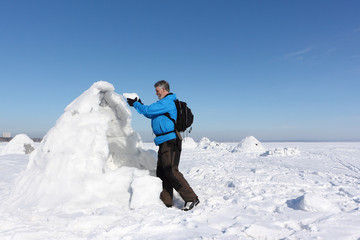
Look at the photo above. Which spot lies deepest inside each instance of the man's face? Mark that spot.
(161, 92)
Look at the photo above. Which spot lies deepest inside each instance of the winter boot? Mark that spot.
(190, 205)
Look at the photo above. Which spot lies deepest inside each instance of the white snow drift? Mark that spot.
(90, 158)
(247, 146)
(206, 143)
(20, 144)
(189, 143)
(282, 152)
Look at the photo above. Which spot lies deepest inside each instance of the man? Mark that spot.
(169, 145)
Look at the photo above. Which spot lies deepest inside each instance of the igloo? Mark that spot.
(250, 145)
(91, 158)
(20, 144)
(96, 128)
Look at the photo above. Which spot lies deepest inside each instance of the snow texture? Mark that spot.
(312, 195)
(131, 95)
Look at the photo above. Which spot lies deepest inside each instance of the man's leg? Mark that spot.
(182, 186)
(167, 193)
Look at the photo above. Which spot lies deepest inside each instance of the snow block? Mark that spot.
(140, 189)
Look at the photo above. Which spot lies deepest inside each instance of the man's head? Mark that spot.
(162, 88)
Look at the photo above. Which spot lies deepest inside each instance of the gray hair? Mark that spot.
(163, 84)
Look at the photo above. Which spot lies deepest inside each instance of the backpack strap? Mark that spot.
(178, 136)
(168, 115)
(162, 134)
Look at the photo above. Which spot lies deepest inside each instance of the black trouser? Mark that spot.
(167, 170)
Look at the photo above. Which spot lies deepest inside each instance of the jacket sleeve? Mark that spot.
(150, 111)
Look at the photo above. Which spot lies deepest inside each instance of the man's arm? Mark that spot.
(157, 108)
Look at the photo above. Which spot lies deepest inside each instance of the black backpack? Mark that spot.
(184, 116)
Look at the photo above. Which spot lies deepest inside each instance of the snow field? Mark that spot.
(280, 197)
(312, 196)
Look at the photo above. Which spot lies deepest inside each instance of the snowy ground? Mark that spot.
(311, 195)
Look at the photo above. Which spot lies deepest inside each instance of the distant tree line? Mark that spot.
(8, 139)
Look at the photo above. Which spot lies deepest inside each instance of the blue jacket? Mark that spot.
(159, 122)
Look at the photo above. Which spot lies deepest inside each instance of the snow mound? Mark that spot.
(189, 143)
(206, 143)
(282, 152)
(249, 145)
(91, 158)
(256, 231)
(20, 144)
(311, 202)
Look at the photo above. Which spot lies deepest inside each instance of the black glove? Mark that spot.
(140, 101)
(131, 101)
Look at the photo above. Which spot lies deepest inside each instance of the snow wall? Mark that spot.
(90, 159)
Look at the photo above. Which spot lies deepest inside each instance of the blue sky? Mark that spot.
(277, 70)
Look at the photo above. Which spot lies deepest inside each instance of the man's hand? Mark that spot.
(131, 101)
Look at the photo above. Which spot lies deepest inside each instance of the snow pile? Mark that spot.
(249, 145)
(20, 144)
(311, 202)
(91, 158)
(282, 152)
(206, 143)
(189, 143)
